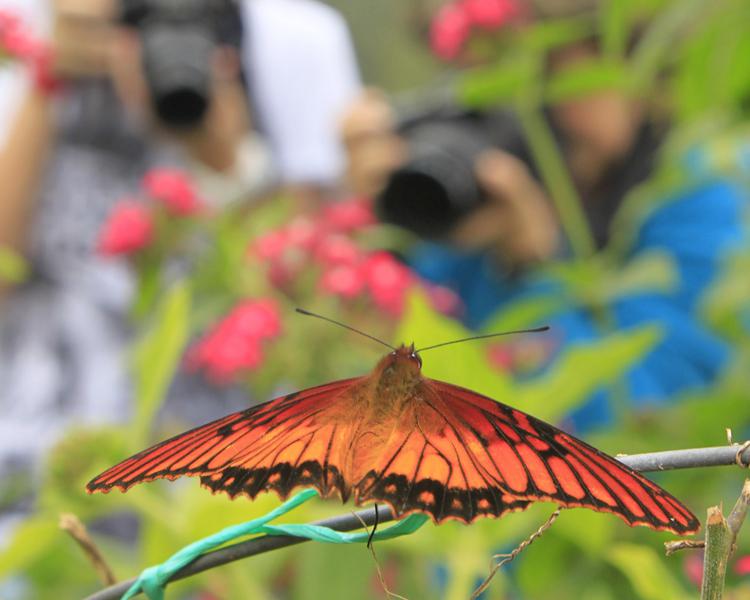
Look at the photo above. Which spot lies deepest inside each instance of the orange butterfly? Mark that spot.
(417, 444)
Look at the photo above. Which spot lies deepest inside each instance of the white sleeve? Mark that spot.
(302, 74)
(14, 80)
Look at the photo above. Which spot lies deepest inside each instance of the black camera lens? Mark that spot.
(437, 187)
(177, 65)
(431, 193)
(178, 39)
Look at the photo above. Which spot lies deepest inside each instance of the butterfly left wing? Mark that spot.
(461, 455)
(279, 445)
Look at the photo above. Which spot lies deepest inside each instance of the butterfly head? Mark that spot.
(400, 369)
(408, 357)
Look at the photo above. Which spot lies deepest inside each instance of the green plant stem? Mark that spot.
(739, 512)
(557, 179)
(718, 545)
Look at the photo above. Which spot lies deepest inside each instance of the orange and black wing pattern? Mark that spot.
(278, 445)
(460, 455)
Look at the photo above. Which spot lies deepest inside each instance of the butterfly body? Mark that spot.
(418, 444)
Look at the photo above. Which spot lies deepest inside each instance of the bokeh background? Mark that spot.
(152, 256)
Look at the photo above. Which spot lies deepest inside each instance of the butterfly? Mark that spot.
(417, 444)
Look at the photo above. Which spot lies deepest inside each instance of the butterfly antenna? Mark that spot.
(483, 337)
(302, 311)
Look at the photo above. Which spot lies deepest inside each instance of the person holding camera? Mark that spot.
(465, 183)
(142, 85)
(133, 85)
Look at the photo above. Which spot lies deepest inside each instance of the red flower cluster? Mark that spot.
(18, 43)
(378, 275)
(130, 226)
(455, 22)
(235, 344)
(323, 245)
(742, 566)
(349, 216)
(174, 190)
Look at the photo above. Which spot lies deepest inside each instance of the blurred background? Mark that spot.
(175, 178)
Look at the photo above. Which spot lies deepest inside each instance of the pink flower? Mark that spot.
(500, 357)
(234, 345)
(255, 318)
(223, 357)
(128, 229)
(337, 249)
(449, 31)
(281, 275)
(19, 43)
(174, 189)
(693, 568)
(490, 14)
(343, 280)
(444, 300)
(9, 21)
(742, 566)
(303, 233)
(349, 216)
(42, 68)
(388, 281)
(270, 246)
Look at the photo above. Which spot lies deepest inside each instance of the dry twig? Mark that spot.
(506, 558)
(77, 530)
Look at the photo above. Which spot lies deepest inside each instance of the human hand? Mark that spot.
(517, 223)
(81, 36)
(373, 149)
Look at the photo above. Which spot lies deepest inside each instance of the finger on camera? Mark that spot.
(501, 174)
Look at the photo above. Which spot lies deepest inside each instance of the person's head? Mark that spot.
(599, 128)
(171, 62)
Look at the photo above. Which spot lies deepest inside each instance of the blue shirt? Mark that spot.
(697, 227)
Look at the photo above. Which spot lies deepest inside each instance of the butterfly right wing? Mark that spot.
(278, 445)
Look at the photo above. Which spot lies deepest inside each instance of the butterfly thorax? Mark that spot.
(395, 379)
(385, 397)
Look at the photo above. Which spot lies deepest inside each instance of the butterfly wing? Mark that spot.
(461, 455)
(279, 445)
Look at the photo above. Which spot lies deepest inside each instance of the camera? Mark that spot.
(437, 187)
(178, 38)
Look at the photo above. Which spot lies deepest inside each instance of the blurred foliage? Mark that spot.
(692, 58)
(13, 268)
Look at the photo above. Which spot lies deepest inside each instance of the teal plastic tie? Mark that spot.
(153, 580)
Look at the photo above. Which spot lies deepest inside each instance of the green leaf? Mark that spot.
(465, 364)
(582, 370)
(31, 539)
(158, 354)
(650, 272)
(585, 78)
(613, 27)
(495, 85)
(547, 34)
(646, 571)
(13, 268)
(525, 314)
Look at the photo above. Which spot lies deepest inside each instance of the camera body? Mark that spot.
(437, 186)
(178, 39)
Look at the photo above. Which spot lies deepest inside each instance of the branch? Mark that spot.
(718, 543)
(210, 560)
(654, 461)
